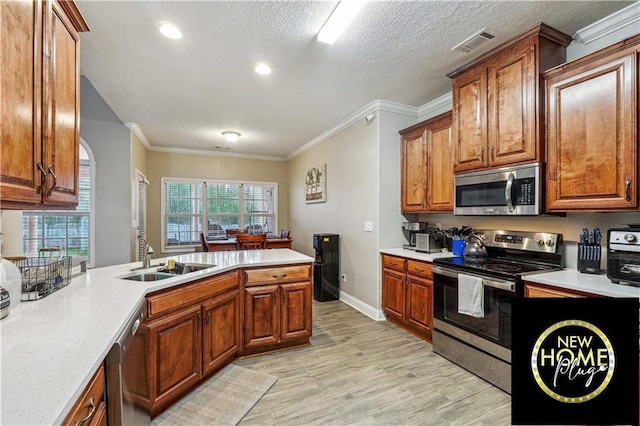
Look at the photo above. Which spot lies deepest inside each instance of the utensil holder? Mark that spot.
(589, 256)
(457, 247)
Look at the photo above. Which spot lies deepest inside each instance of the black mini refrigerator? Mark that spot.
(326, 268)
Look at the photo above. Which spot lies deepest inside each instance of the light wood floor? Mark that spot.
(363, 372)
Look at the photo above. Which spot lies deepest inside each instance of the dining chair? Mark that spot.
(203, 240)
(234, 232)
(251, 242)
(284, 233)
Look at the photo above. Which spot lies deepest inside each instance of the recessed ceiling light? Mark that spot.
(170, 31)
(263, 69)
(231, 136)
(341, 16)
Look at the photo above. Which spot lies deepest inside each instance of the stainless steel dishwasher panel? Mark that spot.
(127, 394)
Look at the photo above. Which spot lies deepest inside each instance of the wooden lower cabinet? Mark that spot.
(540, 290)
(221, 331)
(277, 308)
(407, 294)
(90, 408)
(195, 329)
(175, 356)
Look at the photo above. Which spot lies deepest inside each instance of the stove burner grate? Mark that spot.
(502, 267)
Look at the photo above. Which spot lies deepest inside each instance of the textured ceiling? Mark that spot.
(184, 93)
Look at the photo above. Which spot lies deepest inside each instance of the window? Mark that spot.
(212, 207)
(67, 229)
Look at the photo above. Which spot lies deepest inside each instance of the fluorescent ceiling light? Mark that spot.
(263, 69)
(342, 15)
(170, 31)
(231, 136)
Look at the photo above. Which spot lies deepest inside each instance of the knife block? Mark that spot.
(589, 256)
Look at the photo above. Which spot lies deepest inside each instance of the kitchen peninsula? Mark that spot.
(52, 347)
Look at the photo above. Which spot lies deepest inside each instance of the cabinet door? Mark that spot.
(261, 316)
(440, 165)
(512, 87)
(393, 299)
(296, 311)
(175, 355)
(470, 119)
(221, 331)
(419, 303)
(62, 109)
(21, 89)
(592, 136)
(413, 173)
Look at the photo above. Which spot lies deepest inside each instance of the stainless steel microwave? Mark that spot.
(508, 191)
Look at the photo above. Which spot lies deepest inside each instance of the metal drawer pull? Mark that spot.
(279, 276)
(55, 181)
(419, 270)
(93, 407)
(43, 183)
(627, 189)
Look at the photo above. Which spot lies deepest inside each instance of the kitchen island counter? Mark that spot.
(51, 347)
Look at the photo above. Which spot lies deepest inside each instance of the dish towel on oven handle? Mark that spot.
(470, 296)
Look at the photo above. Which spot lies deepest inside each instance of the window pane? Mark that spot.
(223, 208)
(259, 208)
(183, 207)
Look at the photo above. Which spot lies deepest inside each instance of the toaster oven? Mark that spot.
(623, 255)
(431, 242)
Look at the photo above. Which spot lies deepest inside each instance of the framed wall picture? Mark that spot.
(315, 181)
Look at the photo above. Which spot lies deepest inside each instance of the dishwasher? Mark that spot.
(126, 373)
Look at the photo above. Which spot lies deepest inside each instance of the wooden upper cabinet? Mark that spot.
(511, 82)
(40, 103)
(469, 120)
(592, 133)
(439, 164)
(427, 166)
(413, 177)
(20, 74)
(497, 101)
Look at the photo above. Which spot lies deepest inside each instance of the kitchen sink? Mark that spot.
(186, 268)
(149, 276)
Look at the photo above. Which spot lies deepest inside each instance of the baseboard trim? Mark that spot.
(359, 305)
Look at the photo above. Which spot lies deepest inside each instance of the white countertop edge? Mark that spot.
(569, 278)
(96, 286)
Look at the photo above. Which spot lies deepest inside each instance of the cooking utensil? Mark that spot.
(475, 248)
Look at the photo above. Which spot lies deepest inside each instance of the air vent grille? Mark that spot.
(473, 42)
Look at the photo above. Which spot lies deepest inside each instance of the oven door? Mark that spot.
(492, 333)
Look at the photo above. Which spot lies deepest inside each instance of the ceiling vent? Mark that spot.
(473, 42)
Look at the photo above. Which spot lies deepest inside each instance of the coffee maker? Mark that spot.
(410, 230)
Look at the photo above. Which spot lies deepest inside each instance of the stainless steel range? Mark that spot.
(473, 299)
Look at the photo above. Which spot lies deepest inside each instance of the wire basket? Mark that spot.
(42, 276)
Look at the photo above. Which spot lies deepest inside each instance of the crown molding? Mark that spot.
(135, 128)
(378, 105)
(443, 102)
(609, 24)
(187, 151)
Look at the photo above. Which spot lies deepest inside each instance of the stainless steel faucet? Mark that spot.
(148, 250)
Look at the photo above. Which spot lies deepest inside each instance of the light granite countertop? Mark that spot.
(567, 278)
(51, 347)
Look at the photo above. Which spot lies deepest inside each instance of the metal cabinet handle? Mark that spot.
(279, 276)
(43, 181)
(93, 408)
(507, 192)
(199, 321)
(55, 181)
(627, 189)
(208, 317)
(493, 157)
(419, 270)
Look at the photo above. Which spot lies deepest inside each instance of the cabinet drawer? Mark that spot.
(277, 275)
(421, 269)
(187, 294)
(89, 401)
(393, 262)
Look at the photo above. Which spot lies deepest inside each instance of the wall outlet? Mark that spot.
(368, 227)
(438, 225)
(343, 278)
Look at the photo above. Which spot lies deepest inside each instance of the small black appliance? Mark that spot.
(623, 255)
(326, 268)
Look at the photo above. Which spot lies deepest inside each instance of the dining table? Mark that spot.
(230, 243)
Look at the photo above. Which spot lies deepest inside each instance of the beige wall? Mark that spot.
(159, 165)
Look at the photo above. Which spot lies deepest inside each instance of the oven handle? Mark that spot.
(500, 285)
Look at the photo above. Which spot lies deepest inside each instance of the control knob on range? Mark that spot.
(630, 238)
(540, 242)
(550, 243)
